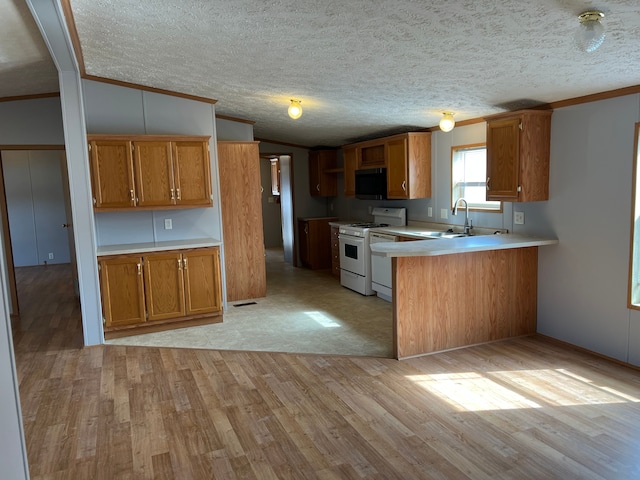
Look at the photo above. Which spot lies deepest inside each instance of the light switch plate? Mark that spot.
(518, 218)
(168, 224)
(444, 213)
(430, 211)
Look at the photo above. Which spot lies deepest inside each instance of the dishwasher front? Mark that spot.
(381, 267)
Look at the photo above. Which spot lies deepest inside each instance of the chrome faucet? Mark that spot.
(468, 224)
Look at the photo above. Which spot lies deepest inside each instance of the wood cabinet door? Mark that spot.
(350, 157)
(241, 204)
(122, 289)
(503, 159)
(112, 174)
(319, 241)
(164, 287)
(397, 171)
(303, 243)
(202, 284)
(154, 173)
(321, 182)
(192, 173)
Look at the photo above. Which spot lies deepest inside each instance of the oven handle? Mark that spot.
(351, 239)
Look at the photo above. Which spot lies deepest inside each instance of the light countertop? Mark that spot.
(451, 246)
(131, 248)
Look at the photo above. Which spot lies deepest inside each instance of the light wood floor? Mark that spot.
(518, 409)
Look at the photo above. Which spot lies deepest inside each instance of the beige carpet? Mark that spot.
(304, 312)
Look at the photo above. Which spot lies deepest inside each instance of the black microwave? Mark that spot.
(371, 184)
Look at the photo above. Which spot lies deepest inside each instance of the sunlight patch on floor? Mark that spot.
(322, 319)
(472, 391)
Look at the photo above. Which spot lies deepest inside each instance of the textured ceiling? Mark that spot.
(361, 67)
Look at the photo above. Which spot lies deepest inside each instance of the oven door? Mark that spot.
(352, 254)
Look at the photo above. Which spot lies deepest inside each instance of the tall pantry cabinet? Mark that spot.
(241, 204)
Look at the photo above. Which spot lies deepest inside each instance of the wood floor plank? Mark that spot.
(524, 408)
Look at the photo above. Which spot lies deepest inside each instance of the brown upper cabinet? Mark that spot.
(350, 158)
(518, 145)
(372, 155)
(407, 158)
(149, 172)
(322, 173)
(409, 165)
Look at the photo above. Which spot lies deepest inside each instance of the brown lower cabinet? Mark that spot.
(314, 242)
(335, 252)
(160, 290)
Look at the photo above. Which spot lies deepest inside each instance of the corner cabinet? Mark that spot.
(407, 158)
(160, 290)
(322, 173)
(314, 242)
(518, 148)
(149, 172)
(350, 160)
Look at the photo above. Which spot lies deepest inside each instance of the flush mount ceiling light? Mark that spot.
(590, 33)
(447, 122)
(295, 110)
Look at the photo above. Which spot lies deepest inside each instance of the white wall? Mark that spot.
(36, 206)
(229, 130)
(26, 122)
(583, 281)
(114, 109)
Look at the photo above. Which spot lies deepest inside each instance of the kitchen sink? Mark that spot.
(439, 234)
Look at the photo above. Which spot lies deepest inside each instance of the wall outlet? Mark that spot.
(430, 211)
(168, 224)
(444, 213)
(50, 255)
(518, 218)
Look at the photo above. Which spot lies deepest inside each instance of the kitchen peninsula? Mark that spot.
(455, 292)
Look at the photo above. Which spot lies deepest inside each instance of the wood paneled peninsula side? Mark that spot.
(455, 292)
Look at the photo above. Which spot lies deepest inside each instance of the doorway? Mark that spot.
(37, 232)
(276, 172)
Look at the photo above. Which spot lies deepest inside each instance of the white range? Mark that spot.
(355, 254)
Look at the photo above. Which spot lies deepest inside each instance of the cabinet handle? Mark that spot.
(404, 185)
(133, 196)
(179, 264)
(519, 188)
(139, 269)
(178, 192)
(318, 187)
(173, 194)
(306, 230)
(184, 262)
(488, 180)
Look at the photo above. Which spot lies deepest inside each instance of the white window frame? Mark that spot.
(633, 300)
(458, 186)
